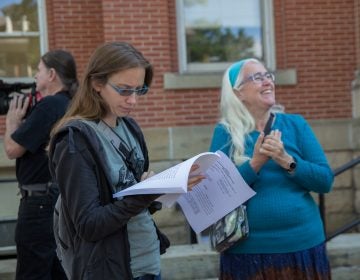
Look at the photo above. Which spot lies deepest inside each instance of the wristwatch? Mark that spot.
(291, 166)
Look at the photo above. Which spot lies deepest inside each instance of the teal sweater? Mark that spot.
(283, 216)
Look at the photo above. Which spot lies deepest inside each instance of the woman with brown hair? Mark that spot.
(97, 150)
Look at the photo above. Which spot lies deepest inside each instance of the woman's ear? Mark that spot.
(97, 86)
(238, 93)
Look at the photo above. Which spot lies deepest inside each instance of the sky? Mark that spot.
(4, 3)
(229, 13)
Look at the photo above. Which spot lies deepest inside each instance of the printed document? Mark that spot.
(173, 180)
(222, 191)
(219, 193)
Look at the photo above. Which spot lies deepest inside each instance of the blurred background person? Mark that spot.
(26, 138)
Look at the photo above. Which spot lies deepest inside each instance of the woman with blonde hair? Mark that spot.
(286, 236)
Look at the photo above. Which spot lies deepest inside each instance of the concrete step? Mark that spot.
(344, 250)
(187, 262)
(346, 273)
(7, 269)
(199, 262)
(344, 255)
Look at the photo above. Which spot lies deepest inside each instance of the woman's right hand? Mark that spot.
(258, 159)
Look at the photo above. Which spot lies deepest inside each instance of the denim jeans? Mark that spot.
(34, 237)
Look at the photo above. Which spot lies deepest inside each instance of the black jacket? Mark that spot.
(93, 225)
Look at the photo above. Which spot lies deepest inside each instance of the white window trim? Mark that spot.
(44, 46)
(268, 38)
(180, 23)
(269, 34)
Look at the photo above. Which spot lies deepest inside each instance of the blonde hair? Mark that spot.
(234, 115)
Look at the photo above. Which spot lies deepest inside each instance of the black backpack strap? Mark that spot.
(135, 130)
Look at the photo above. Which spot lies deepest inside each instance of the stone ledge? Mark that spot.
(346, 273)
(187, 262)
(170, 145)
(199, 262)
(344, 250)
(7, 269)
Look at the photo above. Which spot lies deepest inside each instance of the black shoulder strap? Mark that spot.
(135, 129)
(105, 193)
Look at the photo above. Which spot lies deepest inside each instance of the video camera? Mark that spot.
(5, 94)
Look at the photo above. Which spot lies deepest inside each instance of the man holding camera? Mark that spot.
(26, 137)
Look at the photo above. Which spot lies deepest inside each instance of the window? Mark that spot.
(212, 33)
(22, 38)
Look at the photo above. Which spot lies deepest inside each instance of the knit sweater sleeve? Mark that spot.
(313, 171)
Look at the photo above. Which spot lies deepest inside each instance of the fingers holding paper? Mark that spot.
(194, 177)
(147, 175)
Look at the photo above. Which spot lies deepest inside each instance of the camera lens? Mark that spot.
(4, 104)
(6, 99)
(7, 90)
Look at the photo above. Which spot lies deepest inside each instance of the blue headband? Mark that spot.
(234, 71)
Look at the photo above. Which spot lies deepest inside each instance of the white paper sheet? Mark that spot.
(222, 191)
(172, 180)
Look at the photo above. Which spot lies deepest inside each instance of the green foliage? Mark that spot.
(16, 12)
(214, 44)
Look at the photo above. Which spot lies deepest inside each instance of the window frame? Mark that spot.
(42, 34)
(267, 19)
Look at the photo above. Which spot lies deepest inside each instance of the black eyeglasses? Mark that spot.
(259, 78)
(130, 91)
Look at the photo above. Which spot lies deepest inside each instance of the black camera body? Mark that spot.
(5, 94)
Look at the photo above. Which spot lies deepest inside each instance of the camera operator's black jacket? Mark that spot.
(95, 241)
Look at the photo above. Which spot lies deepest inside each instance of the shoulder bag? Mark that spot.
(230, 229)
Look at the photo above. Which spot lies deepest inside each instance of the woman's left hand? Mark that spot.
(274, 148)
(194, 179)
(146, 175)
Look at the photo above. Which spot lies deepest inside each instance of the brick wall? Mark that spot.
(76, 26)
(317, 38)
(150, 26)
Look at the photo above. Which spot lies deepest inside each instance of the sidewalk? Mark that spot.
(198, 262)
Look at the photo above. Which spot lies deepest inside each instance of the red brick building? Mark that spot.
(312, 45)
(316, 45)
